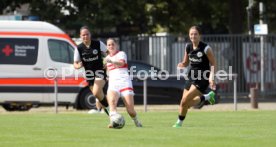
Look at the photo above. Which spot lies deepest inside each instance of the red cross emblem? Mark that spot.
(7, 50)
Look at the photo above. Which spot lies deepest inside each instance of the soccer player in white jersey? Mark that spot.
(119, 83)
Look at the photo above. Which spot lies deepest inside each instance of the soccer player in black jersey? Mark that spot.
(89, 54)
(200, 57)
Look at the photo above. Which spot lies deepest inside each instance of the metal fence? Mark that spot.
(239, 54)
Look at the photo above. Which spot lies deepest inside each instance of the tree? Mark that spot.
(236, 23)
(128, 17)
(269, 14)
(11, 5)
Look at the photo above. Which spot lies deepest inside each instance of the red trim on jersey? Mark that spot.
(124, 66)
(112, 68)
(124, 89)
(122, 60)
(110, 65)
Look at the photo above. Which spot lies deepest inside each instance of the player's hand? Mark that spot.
(78, 65)
(212, 84)
(107, 60)
(181, 65)
(104, 66)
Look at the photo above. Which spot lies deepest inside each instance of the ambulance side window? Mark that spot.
(60, 51)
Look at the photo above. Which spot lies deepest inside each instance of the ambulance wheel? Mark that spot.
(87, 100)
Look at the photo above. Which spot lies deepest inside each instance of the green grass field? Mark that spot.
(201, 128)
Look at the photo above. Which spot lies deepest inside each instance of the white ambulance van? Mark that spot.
(32, 55)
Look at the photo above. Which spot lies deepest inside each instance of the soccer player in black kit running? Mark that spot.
(89, 55)
(200, 57)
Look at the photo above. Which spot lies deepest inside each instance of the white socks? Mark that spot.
(134, 118)
(112, 113)
(206, 96)
(179, 121)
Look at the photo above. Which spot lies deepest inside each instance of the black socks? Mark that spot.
(181, 117)
(104, 102)
(202, 98)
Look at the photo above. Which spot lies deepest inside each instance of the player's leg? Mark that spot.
(200, 100)
(188, 96)
(210, 97)
(129, 103)
(99, 94)
(180, 117)
(112, 98)
(202, 86)
(98, 108)
(98, 89)
(195, 101)
(98, 105)
(206, 97)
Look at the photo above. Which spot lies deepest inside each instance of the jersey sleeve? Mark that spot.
(187, 48)
(207, 48)
(76, 55)
(122, 56)
(103, 47)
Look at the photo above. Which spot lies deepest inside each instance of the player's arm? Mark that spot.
(77, 61)
(119, 61)
(104, 54)
(213, 65)
(78, 64)
(103, 49)
(185, 61)
(116, 62)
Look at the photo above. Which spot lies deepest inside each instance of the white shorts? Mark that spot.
(123, 86)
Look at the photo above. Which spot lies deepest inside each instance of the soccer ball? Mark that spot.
(117, 121)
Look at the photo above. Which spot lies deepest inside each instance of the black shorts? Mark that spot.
(201, 85)
(91, 79)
